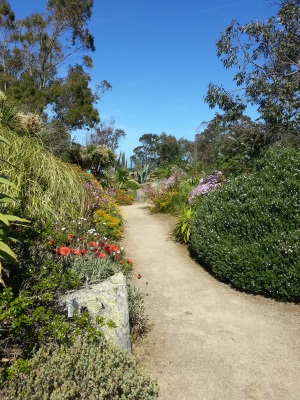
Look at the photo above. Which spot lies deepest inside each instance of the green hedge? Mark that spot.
(247, 232)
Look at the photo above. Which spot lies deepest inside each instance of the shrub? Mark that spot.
(247, 231)
(137, 316)
(123, 198)
(49, 189)
(182, 230)
(108, 225)
(131, 184)
(86, 370)
(167, 195)
(92, 269)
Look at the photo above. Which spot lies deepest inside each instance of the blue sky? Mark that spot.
(159, 56)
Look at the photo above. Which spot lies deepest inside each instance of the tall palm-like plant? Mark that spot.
(6, 220)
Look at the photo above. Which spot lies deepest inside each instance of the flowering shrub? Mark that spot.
(97, 197)
(108, 225)
(206, 185)
(167, 195)
(168, 201)
(123, 198)
(247, 232)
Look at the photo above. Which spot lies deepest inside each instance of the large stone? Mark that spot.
(107, 299)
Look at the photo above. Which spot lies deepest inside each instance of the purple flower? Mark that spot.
(206, 185)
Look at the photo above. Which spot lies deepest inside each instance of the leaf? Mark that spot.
(13, 218)
(4, 219)
(5, 181)
(7, 199)
(2, 139)
(6, 252)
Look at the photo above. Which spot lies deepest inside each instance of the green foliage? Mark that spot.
(97, 158)
(137, 315)
(6, 220)
(131, 184)
(162, 150)
(182, 230)
(91, 269)
(29, 321)
(109, 223)
(49, 190)
(105, 134)
(86, 370)
(33, 59)
(123, 198)
(247, 232)
(143, 172)
(265, 58)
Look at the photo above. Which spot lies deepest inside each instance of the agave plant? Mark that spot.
(143, 172)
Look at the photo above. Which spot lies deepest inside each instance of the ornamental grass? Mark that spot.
(49, 189)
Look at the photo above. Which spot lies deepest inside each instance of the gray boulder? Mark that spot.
(107, 299)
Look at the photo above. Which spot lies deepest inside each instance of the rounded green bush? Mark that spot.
(131, 184)
(247, 231)
(87, 371)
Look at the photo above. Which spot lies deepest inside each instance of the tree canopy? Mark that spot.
(162, 150)
(265, 56)
(33, 56)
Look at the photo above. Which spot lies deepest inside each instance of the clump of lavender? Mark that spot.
(206, 185)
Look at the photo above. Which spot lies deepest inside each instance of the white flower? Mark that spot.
(63, 229)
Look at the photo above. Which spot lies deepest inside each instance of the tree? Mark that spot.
(97, 158)
(147, 152)
(106, 134)
(266, 56)
(169, 150)
(33, 58)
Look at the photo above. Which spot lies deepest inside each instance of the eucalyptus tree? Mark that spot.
(266, 60)
(34, 56)
(107, 134)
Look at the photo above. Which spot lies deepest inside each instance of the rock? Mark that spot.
(108, 299)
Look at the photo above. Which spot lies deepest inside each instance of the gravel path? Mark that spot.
(208, 341)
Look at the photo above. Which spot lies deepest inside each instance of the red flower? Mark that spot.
(128, 260)
(83, 251)
(63, 251)
(51, 241)
(70, 236)
(93, 244)
(101, 255)
(76, 252)
(121, 262)
(110, 248)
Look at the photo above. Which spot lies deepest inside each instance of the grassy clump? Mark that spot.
(137, 315)
(48, 188)
(86, 370)
(247, 231)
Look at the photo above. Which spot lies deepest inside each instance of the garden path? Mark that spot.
(207, 341)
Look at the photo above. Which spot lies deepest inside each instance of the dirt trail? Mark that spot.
(208, 341)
